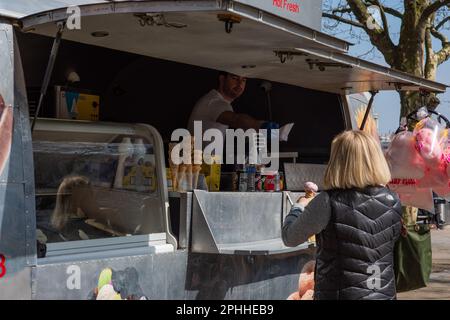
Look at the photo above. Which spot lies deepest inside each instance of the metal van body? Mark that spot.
(202, 258)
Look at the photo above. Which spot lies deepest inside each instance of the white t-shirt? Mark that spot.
(207, 110)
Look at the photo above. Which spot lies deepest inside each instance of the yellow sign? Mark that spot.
(77, 106)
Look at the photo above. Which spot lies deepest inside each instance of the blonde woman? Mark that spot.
(357, 221)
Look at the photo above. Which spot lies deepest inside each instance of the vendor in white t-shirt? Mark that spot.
(215, 111)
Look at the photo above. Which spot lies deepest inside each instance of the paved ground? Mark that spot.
(439, 285)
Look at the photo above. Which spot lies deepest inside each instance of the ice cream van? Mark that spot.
(90, 84)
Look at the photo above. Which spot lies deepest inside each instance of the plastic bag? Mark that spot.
(421, 198)
(431, 141)
(447, 159)
(412, 258)
(434, 178)
(404, 160)
(403, 185)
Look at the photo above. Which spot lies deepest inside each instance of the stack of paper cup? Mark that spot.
(196, 167)
(181, 185)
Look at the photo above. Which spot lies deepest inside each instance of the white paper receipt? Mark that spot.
(285, 130)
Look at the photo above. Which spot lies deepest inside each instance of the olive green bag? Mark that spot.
(412, 256)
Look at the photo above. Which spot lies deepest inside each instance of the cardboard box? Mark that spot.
(76, 104)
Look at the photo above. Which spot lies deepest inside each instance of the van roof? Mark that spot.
(192, 32)
(19, 9)
(57, 9)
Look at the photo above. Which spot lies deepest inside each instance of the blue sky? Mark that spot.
(387, 104)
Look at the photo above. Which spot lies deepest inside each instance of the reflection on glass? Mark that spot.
(92, 189)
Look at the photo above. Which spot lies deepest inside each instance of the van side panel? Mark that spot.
(177, 275)
(17, 227)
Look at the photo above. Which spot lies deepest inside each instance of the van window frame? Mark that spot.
(117, 246)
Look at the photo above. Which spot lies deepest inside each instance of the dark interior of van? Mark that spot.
(140, 89)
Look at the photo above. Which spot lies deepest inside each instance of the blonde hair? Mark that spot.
(64, 207)
(356, 161)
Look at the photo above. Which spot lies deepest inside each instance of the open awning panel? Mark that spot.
(256, 46)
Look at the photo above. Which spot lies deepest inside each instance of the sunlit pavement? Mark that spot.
(439, 286)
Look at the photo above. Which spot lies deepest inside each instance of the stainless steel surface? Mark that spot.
(361, 76)
(17, 227)
(296, 174)
(180, 276)
(265, 14)
(440, 212)
(238, 223)
(185, 219)
(289, 199)
(21, 8)
(156, 276)
(20, 97)
(309, 12)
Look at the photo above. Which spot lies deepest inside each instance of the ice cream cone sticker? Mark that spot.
(6, 126)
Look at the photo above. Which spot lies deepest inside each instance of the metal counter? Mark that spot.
(239, 223)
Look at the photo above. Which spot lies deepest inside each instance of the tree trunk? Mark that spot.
(413, 100)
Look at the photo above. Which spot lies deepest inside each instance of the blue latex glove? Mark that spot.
(270, 125)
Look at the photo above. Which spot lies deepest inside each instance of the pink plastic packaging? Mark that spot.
(431, 141)
(404, 160)
(434, 177)
(422, 198)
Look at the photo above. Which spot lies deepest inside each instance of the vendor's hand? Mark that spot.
(303, 201)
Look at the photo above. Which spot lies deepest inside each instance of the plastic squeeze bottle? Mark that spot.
(125, 151)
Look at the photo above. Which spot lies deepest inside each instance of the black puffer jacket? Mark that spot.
(355, 250)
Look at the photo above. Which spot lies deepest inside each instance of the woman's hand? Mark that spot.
(304, 201)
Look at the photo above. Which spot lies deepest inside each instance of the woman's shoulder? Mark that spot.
(369, 191)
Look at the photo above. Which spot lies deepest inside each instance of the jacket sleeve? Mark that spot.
(302, 223)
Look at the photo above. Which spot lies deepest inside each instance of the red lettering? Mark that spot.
(2, 266)
(277, 3)
(286, 5)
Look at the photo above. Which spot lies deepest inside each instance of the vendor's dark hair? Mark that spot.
(221, 73)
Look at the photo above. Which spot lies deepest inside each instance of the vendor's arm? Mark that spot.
(239, 120)
(303, 222)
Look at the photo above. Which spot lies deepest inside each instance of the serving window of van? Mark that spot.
(97, 181)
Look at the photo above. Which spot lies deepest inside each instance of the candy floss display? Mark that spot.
(419, 162)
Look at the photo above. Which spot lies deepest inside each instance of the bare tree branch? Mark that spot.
(430, 59)
(342, 10)
(441, 24)
(388, 10)
(341, 19)
(444, 54)
(383, 16)
(438, 35)
(431, 9)
(380, 38)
